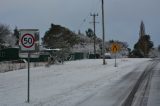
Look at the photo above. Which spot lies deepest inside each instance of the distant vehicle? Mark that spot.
(107, 56)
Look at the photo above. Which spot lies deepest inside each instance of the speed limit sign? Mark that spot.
(27, 40)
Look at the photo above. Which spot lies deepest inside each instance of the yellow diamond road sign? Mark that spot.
(115, 48)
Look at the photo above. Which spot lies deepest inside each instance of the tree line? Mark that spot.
(60, 37)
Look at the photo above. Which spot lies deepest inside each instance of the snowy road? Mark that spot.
(147, 93)
(118, 91)
(76, 83)
(136, 88)
(154, 95)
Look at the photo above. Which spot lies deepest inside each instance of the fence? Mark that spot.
(6, 66)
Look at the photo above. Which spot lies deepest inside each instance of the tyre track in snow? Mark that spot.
(143, 86)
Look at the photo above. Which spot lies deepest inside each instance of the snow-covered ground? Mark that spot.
(63, 85)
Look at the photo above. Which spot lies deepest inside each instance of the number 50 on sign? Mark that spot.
(28, 40)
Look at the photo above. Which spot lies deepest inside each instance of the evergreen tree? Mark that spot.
(59, 37)
(90, 33)
(142, 29)
(143, 46)
(16, 35)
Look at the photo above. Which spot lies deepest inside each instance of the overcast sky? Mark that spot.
(122, 17)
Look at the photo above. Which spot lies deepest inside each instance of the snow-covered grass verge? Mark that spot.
(11, 65)
(62, 85)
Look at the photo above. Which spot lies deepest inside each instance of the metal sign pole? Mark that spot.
(28, 99)
(29, 44)
(103, 36)
(115, 60)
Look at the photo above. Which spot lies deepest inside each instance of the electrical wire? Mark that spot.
(94, 8)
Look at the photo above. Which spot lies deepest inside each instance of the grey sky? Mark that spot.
(122, 17)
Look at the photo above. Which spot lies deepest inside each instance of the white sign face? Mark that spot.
(27, 41)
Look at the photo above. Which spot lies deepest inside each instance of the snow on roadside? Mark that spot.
(62, 85)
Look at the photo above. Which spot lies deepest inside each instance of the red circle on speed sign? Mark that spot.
(27, 40)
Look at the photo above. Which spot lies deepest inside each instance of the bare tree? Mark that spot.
(5, 36)
(4, 31)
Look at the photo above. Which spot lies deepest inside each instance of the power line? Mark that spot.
(94, 7)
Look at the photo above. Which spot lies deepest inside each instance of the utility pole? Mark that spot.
(94, 29)
(103, 32)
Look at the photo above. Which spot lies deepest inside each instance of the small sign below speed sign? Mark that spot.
(27, 40)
